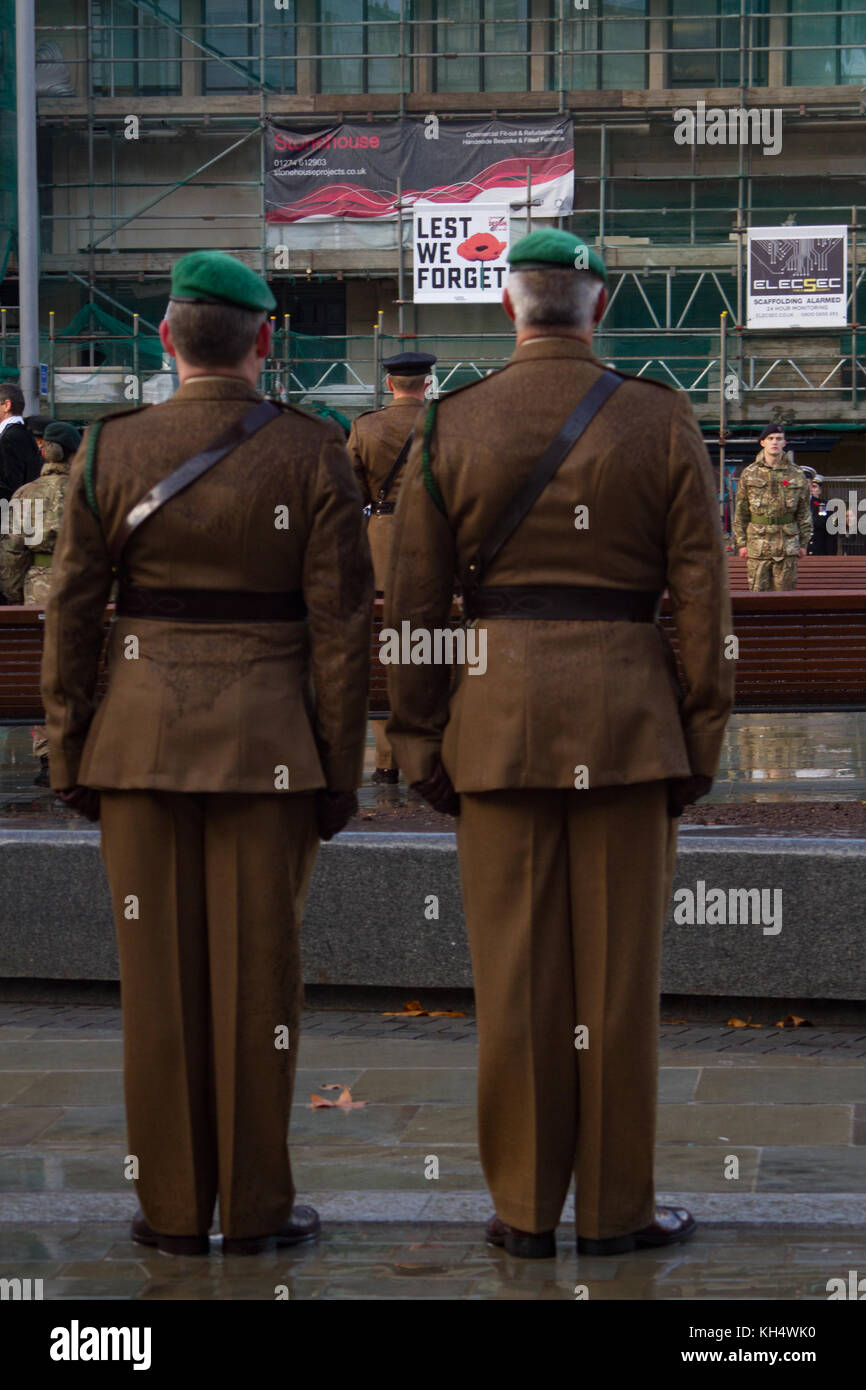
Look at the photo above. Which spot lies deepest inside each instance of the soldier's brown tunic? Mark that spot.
(213, 707)
(208, 747)
(375, 440)
(561, 751)
(374, 443)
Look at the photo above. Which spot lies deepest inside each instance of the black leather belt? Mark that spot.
(383, 508)
(211, 605)
(572, 602)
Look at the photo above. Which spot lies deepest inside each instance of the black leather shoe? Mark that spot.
(526, 1245)
(387, 776)
(672, 1224)
(303, 1226)
(144, 1234)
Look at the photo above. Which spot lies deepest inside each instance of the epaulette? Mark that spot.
(647, 380)
(289, 408)
(107, 415)
(469, 385)
(90, 450)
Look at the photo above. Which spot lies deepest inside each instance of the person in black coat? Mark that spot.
(20, 459)
(821, 543)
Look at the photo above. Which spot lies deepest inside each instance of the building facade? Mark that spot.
(150, 117)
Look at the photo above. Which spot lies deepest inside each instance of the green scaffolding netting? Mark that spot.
(114, 339)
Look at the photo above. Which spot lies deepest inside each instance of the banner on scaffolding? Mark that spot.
(351, 170)
(797, 277)
(459, 253)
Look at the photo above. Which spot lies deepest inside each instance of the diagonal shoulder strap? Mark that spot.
(396, 466)
(529, 491)
(236, 434)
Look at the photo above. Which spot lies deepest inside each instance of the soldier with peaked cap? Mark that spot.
(773, 517)
(230, 739)
(565, 498)
(378, 446)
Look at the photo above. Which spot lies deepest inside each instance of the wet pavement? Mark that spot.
(779, 756)
(761, 1133)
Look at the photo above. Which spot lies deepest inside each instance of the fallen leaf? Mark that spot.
(343, 1102)
(673, 1020)
(792, 1021)
(739, 1022)
(415, 1009)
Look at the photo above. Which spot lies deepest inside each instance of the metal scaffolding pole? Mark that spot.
(28, 205)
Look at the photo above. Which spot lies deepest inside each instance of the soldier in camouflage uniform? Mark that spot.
(26, 556)
(773, 519)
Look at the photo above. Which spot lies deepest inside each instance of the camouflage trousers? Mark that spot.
(37, 587)
(769, 573)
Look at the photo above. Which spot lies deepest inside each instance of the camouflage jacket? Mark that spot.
(31, 527)
(773, 490)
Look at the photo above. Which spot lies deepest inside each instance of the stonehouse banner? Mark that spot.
(459, 253)
(797, 277)
(351, 170)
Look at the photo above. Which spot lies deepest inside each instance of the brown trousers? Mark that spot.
(208, 894)
(565, 894)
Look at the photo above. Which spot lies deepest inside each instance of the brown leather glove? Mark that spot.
(683, 791)
(334, 810)
(438, 791)
(84, 800)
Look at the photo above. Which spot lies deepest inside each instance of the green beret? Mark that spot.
(67, 436)
(212, 277)
(553, 249)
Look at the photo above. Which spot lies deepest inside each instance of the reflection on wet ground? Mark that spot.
(778, 756)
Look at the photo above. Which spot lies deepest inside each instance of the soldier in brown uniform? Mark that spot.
(378, 446)
(231, 737)
(773, 516)
(26, 561)
(569, 758)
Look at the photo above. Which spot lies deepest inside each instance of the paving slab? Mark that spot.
(755, 1124)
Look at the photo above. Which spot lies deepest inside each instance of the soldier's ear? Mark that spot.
(166, 339)
(263, 339)
(600, 306)
(507, 305)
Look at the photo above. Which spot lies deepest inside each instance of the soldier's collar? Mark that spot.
(551, 346)
(216, 388)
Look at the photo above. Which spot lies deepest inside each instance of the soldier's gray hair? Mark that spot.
(547, 298)
(213, 335)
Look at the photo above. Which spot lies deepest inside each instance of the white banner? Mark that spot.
(459, 253)
(797, 277)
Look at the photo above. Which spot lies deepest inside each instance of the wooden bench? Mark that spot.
(826, 573)
(807, 647)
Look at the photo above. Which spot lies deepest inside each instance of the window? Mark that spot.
(232, 29)
(592, 61)
(136, 52)
(828, 50)
(711, 48)
(483, 46)
(362, 39)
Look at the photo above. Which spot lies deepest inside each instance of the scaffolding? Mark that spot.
(150, 111)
